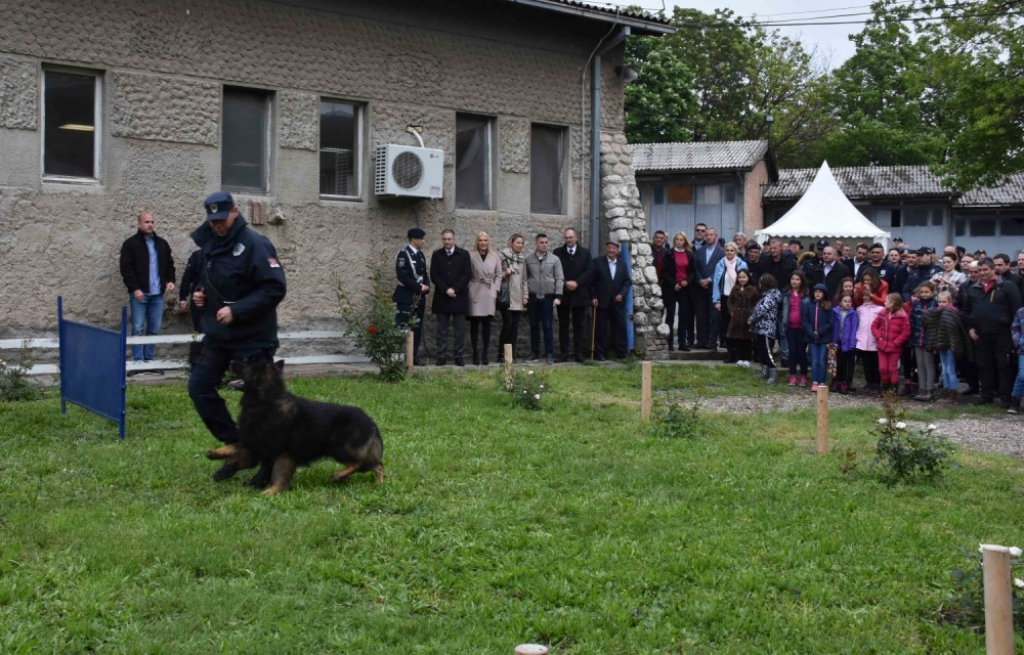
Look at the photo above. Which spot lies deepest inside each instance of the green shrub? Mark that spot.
(907, 454)
(525, 387)
(14, 382)
(372, 324)
(966, 607)
(681, 422)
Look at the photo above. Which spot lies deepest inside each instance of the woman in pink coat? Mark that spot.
(891, 330)
(484, 284)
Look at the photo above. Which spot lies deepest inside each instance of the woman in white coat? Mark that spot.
(514, 263)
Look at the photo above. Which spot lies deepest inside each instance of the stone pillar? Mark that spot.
(624, 220)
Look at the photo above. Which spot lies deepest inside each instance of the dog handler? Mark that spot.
(240, 284)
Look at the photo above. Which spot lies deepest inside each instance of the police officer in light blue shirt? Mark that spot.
(240, 284)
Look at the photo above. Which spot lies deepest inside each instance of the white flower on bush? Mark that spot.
(932, 426)
(883, 421)
(1015, 552)
(901, 425)
(537, 396)
(542, 386)
(530, 373)
(1017, 582)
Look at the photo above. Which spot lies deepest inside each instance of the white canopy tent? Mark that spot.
(824, 212)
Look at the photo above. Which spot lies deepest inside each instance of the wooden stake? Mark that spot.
(409, 356)
(645, 400)
(508, 355)
(998, 604)
(822, 419)
(531, 649)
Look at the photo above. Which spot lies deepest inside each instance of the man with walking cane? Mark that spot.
(578, 271)
(413, 285)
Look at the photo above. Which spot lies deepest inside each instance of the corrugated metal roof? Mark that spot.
(700, 156)
(1009, 194)
(863, 182)
(639, 19)
(624, 11)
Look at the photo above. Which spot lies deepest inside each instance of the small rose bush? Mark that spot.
(966, 606)
(908, 454)
(526, 387)
(371, 323)
(14, 382)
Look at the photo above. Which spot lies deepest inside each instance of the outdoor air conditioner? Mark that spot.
(405, 171)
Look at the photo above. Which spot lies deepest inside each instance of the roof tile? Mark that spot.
(701, 156)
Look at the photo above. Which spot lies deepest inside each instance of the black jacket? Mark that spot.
(241, 271)
(831, 281)
(190, 276)
(668, 273)
(781, 270)
(578, 268)
(915, 276)
(605, 288)
(887, 272)
(135, 263)
(991, 313)
(454, 273)
(408, 291)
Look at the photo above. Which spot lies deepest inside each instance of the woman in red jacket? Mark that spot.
(891, 329)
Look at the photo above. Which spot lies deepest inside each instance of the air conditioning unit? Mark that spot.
(410, 172)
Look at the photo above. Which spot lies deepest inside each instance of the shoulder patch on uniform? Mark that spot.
(239, 249)
(401, 261)
(273, 262)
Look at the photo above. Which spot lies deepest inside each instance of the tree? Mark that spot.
(717, 79)
(880, 97)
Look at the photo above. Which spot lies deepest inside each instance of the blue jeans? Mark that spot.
(948, 361)
(819, 362)
(148, 311)
(542, 313)
(1018, 385)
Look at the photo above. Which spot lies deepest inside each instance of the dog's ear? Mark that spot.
(279, 365)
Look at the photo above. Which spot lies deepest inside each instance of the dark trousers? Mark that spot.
(992, 354)
(681, 303)
(459, 320)
(206, 376)
(871, 373)
(724, 317)
(509, 331)
(542, 315)
(477, 325)
(797, 351)
(908, 362)
(846, 360)
(740, 349)
(612, 318)
(577, 317)
(419, 310)
(763, 349)
(702, 311)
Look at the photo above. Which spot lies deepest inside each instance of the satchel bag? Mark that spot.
(504, 300)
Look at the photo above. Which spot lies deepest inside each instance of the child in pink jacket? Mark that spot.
(891, 329)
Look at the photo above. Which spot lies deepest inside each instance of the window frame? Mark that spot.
(565, 147)
(97, 139)
(268, 133)
(357, 162)
(489, 190)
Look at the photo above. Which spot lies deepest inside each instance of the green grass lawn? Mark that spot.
(570, 527)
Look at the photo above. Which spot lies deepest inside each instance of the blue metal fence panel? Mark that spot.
(92, 367)
(628, 300)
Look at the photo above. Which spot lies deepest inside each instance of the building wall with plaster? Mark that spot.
(163, 65)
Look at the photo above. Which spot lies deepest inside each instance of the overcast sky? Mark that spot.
(832, 41)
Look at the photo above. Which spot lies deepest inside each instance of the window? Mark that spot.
(937, 216)
(339, 149)
(71, 125)
(729, 191)
(916, 217)
(983, 227)
(547, 155)
(960, 227)
(895, 218)
(680, 195)
(1012, 227)
(659, 194)
(709, 195)
(473, 161)
(245, 140)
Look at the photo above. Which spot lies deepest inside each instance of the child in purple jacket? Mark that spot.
(844, 335)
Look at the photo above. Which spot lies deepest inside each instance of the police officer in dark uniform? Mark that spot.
(240, 283)
(413, 287)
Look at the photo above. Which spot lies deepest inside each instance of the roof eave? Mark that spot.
(638, 24)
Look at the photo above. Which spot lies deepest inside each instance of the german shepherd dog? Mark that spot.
(290, 431)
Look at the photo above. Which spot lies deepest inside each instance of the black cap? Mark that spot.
(922, 251)
(795, 242)
(753, 245)
(823, 244)
(415, 233)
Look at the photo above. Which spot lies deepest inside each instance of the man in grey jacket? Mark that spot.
(545, 281)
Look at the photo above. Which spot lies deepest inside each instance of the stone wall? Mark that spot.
(624, 216)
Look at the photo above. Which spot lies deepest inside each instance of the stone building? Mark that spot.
(111, 108)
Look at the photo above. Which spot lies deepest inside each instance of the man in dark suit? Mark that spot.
(611, 280)
(829, 272)
(413, 285)
(578, 271)
(707, 258)
(451, 270)
(659, 251)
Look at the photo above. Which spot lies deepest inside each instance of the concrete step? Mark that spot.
(696, 355)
